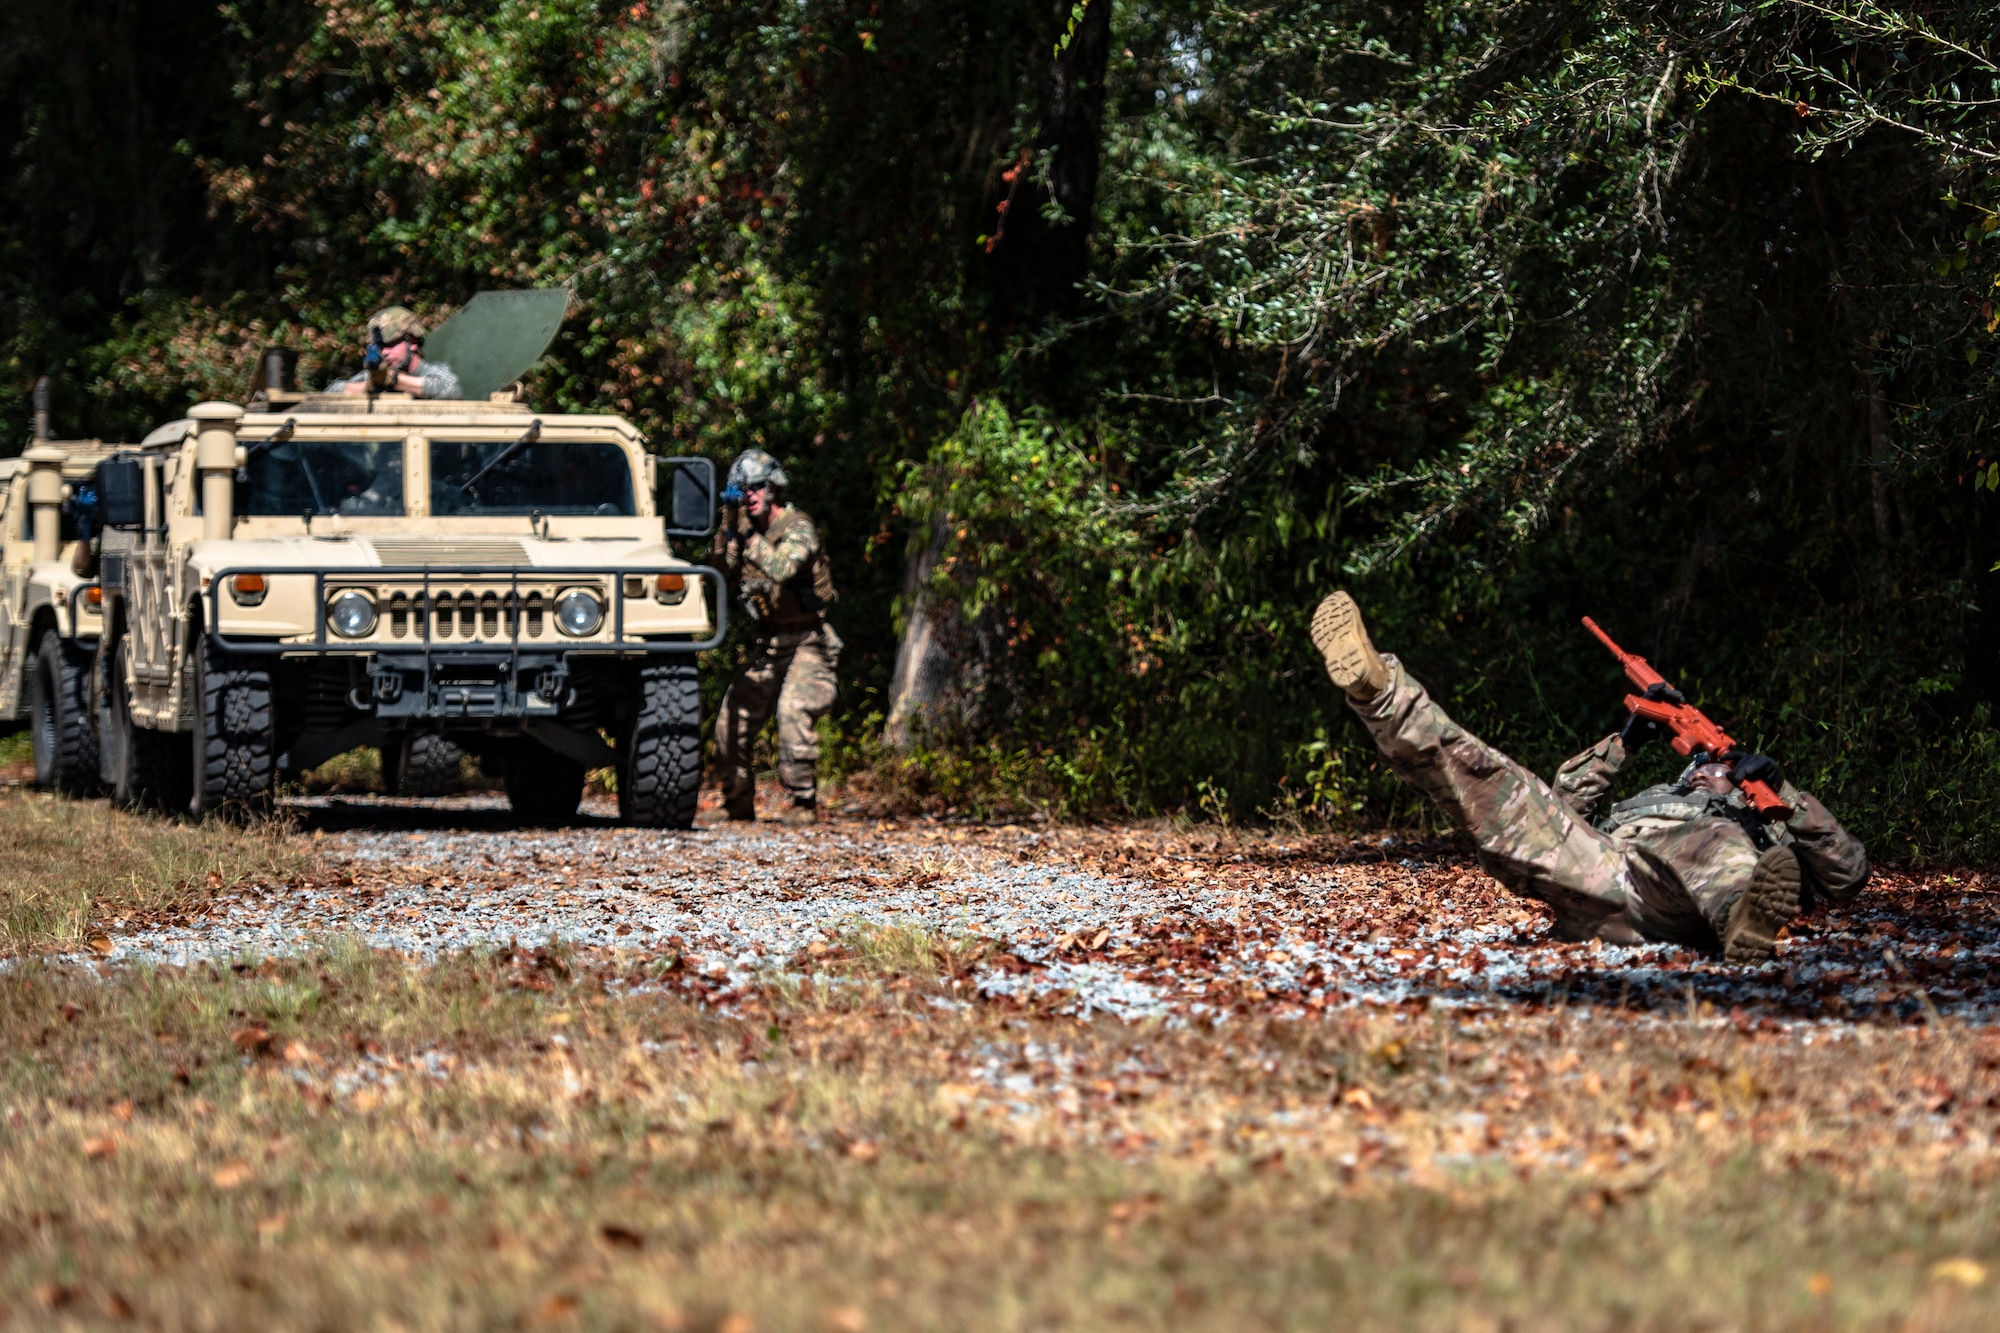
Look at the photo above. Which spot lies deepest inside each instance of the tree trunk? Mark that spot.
(927, 655)
(1036, 266)
(1038, 263)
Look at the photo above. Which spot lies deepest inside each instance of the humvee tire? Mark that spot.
(426, 766)
(235, 739)
(148, 769)
(59, 722)
(543, 786)
(659, 774)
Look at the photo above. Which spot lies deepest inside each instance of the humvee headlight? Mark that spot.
(248, 589)
(579, 613)
(352, 614)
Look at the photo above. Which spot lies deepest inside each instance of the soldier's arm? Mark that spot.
(439, 381)
(781, 559)
(1835, 858)
(1584, 778)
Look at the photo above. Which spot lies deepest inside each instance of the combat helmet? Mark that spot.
(396, 322)
(754, 467)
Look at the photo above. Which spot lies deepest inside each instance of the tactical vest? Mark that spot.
(1685, 804)
(799, 602)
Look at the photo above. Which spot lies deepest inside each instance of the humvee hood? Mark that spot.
(465, 551)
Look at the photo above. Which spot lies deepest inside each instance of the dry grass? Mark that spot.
(518, 1140)
(68, 865)
(349, 1141)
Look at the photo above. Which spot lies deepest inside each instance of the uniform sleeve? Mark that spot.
(1583, 779)
(792, 552)
(1835, 858)
(440, 381)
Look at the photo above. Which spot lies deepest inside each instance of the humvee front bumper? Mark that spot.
(471, 642)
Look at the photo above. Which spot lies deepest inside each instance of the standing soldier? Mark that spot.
(772, 553)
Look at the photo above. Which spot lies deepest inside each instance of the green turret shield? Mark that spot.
(497, 336)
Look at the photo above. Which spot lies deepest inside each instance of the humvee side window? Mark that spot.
(589, 478)
(359, 477)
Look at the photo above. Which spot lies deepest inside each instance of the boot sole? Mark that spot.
(1768, 906)
(1342, 640)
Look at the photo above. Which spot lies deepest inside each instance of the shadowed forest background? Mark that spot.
(1103, 339)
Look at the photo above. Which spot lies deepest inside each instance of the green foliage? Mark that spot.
(1681, 316)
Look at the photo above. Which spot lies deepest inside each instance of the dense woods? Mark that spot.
(1103, 338)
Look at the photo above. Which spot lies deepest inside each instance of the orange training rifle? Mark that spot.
(1693, 732)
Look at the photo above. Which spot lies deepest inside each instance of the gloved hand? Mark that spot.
(1638, 730)
(1748, 767)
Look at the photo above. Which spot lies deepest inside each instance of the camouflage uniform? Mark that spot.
(1666, 865)
(785, 584)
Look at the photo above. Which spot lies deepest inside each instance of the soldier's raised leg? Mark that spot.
(807, 695)
(1526, 835)
(746, 707)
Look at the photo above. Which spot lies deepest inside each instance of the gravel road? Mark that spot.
(1132, 922)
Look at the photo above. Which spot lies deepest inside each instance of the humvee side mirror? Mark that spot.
(121, 493)
(689, 494)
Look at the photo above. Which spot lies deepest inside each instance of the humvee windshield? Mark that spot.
(324, 476)
(590, 478)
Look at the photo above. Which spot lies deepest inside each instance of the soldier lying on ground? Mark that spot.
(1686, 862)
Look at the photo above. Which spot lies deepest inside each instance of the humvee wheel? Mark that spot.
(145, 768)
(426, 766)
(659, 769)
(60, 726)
(543, 786)
(235, 734)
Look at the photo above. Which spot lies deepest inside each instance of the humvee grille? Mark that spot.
(466, 615)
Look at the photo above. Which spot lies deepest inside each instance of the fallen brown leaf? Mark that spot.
(99, 942)
(98, 1149)
(232, 1174)
(845, 1319)
(1965, 1272)
(624, 1237)
(298, 1053)
(254, 1040)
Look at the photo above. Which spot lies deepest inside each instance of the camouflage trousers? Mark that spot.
(790, 674)
(1532, 841)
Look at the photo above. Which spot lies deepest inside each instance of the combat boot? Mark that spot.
(745, 809)
(804, 811)
(1351, 660)
(1765, 908)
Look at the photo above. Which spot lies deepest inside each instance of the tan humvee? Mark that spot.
(49, 628)
(326, 571)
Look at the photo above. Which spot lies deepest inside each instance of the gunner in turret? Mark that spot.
(394, 360)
